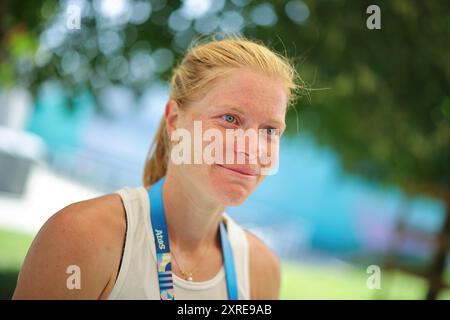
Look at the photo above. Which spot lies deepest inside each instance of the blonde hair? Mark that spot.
(200, 67)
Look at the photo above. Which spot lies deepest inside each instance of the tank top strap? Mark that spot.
(240, 246)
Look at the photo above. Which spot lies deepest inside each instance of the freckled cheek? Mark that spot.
(197, 125)
(210, 138)
(212, 125)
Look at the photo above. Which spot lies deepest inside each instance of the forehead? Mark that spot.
(253, 92)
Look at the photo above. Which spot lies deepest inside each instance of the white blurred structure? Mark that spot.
(45, 194)
(19, 151)
(15, 107)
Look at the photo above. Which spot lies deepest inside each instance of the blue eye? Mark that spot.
(228, 118)
(271, 131)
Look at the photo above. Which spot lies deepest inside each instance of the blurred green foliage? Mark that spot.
(386, 106)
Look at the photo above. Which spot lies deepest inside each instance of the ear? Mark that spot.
(171, 116)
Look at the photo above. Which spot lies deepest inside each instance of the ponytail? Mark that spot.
(156, 166)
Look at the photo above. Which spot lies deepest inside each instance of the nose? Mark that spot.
(249, 150)
(247, 147)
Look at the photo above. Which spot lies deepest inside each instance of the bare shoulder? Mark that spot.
(86, 234)
(264, 269)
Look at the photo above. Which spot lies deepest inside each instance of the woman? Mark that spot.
(109, 248)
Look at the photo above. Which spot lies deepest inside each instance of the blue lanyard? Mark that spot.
(163, 258)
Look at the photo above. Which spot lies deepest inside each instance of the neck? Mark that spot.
(192, 219)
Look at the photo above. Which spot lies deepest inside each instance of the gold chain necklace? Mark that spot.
(187, 275)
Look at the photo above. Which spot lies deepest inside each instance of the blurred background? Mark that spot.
(364, 175)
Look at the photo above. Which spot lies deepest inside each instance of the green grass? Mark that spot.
(13, 248)
(318, 282)
(299, 281)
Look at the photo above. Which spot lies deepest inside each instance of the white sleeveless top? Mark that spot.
(138, 277)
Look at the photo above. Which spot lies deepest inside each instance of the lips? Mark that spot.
(241, 169)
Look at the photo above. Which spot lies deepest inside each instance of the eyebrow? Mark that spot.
(282, 124)
(237, 110)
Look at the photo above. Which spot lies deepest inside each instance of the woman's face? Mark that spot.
(243, 100)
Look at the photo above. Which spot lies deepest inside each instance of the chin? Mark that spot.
(231, 190)
(231, 198)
